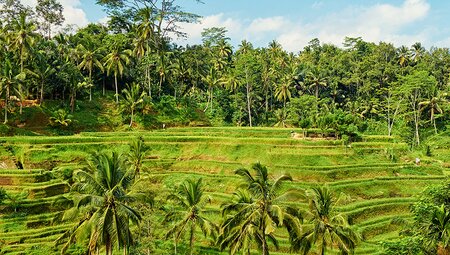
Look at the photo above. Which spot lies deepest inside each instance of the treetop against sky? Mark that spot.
(294, 23)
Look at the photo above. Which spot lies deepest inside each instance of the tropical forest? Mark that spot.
(115, 138)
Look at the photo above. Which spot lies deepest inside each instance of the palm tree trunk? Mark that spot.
(175, 244)
(117, 89)
(147, 74)
(42, 93)
(104, 86)
(211, 101)
(131, 121)
(6, 105)
(90, 87)
(20, 87)
(191, 239)
(248, 105)
(248, 98)
(317, 91)
(160, 84)
(72, 101)
(265, 248)
(433, 120)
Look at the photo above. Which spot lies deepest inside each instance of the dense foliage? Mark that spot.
(361, 87)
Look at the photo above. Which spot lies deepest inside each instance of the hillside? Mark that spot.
(377, 177)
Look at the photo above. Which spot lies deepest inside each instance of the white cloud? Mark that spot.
(380, 22)
(261, 25)
(73, 12)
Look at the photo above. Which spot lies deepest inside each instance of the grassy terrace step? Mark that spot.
(337, 184)
(19, 249)
(296, 166)
(383, 219)
(163, 138)
(29, 218)
(353, 207)
(34, 233)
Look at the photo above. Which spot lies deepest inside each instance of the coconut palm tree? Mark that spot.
(9, 81)
(316, 81)
(327, 229)
(42, 71)
(133, 97)
(21, 39)
(404, 55)
(189, 212)
(142, 43)
(213, 80)
(90, 58)
(115, 62)
(102, 197)
(255, 213)
(434, 105)
(282, 91)
(138, 151)
(417, 51)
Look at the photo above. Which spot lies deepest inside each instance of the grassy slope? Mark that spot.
(376, 189)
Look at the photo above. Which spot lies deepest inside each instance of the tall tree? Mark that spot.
(9, 81)
(42, 72)
(22, 39)
(189, 212)
(102, 196)
(413, 87)
(90, 58)
(138, 151)
(51, 14)
(256, 212)
(433, 104)
(247, 65)
(115, 62)
(164, 17)
(133, 97)
(328, 229)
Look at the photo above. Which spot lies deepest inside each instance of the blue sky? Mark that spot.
(294, 23)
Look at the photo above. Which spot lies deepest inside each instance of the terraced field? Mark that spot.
(376, 177)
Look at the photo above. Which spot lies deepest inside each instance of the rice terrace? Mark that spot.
(209, 127)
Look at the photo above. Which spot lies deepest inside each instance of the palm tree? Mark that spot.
(22, 37)
(316, 80)
(417, 51)
(181, 72)
(22, 40)
(42, 71)
(138, 151)
(255, 213)
(9, 80)
(213, 80)
(115, 62)
(326, 228)
(162, 66)
(133, 97)
(282, 91)
(90, 58)
(142, 44)
(433, 104)
(101, 196)
(403, 56)
(189, 212)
